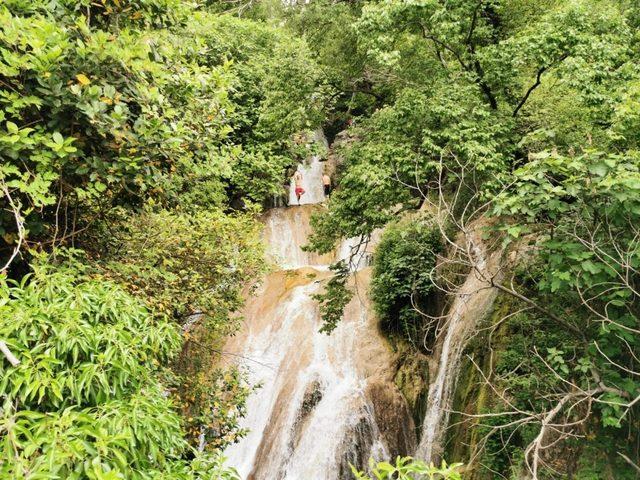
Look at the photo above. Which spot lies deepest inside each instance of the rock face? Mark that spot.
(325, 402)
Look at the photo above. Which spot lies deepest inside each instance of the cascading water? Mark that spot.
(311, 177)
(325, 401)
(472, 302)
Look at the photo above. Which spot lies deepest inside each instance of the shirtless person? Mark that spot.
(297, 179)
(326, 183)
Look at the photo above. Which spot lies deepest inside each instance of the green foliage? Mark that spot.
(86, 400)
(186, 263)
(330, 30)
(591, 254)
(335, 297)
(402, 279)
(137, 130)
(192, 268)
(401, 149)
(409, 469)
(103, 116)
(194, 113)
(274, 93)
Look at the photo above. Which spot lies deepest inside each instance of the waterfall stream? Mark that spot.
(324, 402)
(311, 171)
(472, 302)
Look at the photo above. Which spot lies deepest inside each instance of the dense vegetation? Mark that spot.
(139, 139)
(86, 400)
(402, 289)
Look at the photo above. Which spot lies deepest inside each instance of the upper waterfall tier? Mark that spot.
(311, 170)
(286, 231)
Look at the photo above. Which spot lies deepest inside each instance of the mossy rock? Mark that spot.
(412, 379)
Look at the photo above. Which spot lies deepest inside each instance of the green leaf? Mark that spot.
(57, 138)
(600, 169)
(12, 127)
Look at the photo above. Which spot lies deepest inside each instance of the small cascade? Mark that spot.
(472, 302)
(311, 182)
(324, 402)
(311, 171)
(285, 231)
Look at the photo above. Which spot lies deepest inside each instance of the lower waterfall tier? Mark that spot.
(325, 402)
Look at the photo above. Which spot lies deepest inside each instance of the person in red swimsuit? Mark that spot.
(297, 179)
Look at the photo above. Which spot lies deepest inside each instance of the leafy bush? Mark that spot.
(409, 469)
(100, 119)
(191, 267)
(402, 275)
(185, 263)
(85, 401)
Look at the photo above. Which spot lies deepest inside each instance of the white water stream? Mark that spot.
(324, 401)
(311, 171)
(472, 302)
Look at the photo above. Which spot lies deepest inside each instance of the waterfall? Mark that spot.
(472, 302)
(311, 171)
(324, 402)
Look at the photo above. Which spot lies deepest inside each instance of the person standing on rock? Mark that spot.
(326, 183)
(297, 179)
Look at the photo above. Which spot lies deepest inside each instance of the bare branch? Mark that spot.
(7, 353)
(15, 209)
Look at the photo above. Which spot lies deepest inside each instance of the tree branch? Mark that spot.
(536, 84)
(530, 91)
(629, 461)
(19, 224)
(7, 353)
(538, 307)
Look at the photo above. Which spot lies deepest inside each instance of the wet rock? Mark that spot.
(356, 448)
(311, 398)
(393, 418)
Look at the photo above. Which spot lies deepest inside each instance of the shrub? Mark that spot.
(407, 468)
(402, 275)
(335, 297)
(191, 267)
(85, 401)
